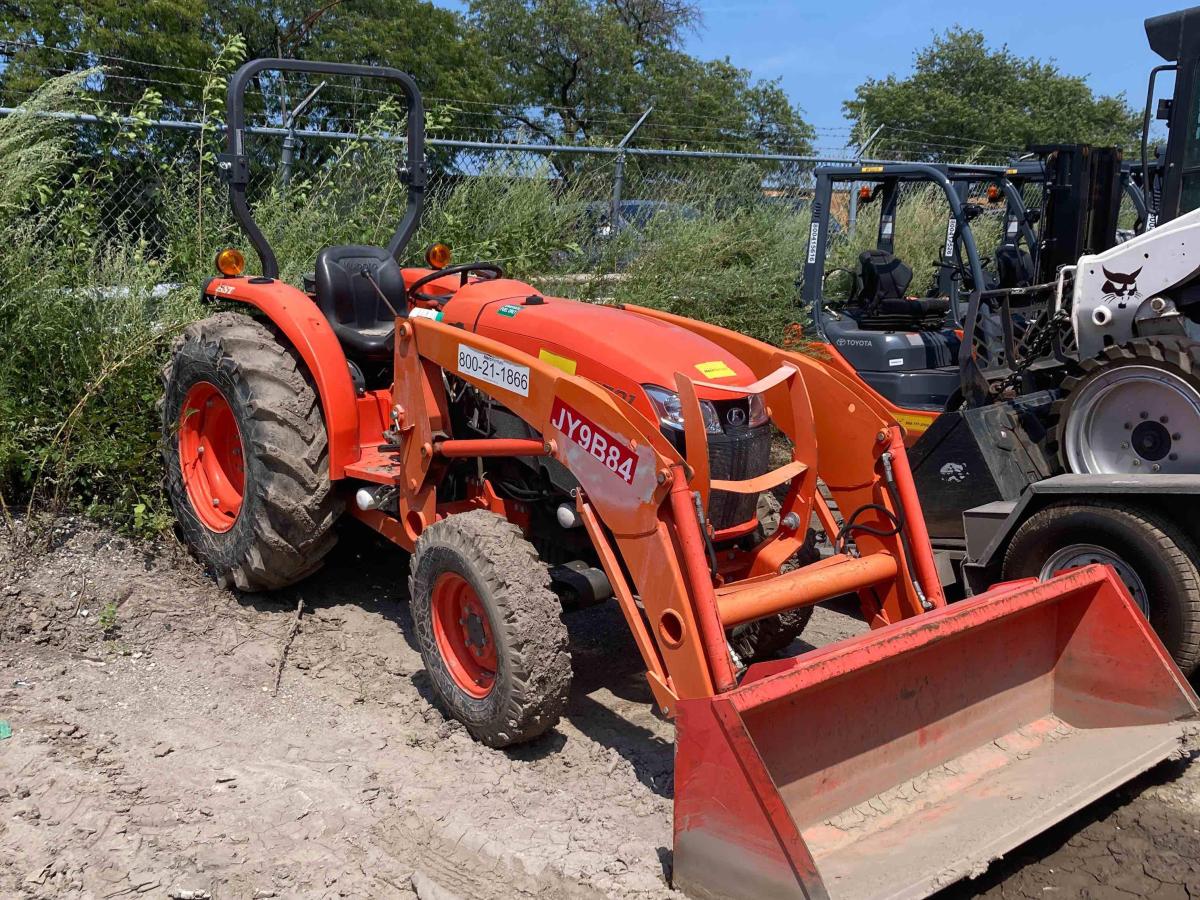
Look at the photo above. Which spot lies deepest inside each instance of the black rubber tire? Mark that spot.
(533, 674)
(285, 526)
(767, 638)
(1175, 354)
(1162, 555)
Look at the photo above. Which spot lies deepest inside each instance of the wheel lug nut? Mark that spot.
(1176, 436)
(216, 502)
(1137, 462)
(200, 450)
(1124, 446)
(1173, 457)
(1144, 415)
(1156, 467)
(1163, 419)
(1128, 426)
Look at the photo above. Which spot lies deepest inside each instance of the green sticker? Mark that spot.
(510, 310)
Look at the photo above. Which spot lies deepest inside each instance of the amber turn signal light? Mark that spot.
(438, 256)
(231, 262)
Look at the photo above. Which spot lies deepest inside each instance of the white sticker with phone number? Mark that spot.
(493, 370)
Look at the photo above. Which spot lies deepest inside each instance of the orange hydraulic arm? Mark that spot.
(643, 505)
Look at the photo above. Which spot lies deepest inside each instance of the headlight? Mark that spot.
(670, 411)
(758, 410)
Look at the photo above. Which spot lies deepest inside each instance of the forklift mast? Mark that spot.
(1082, 204)
(1176, 38)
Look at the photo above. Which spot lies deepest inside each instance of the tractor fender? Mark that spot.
(305, 327)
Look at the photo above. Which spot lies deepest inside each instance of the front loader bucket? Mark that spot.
(895, 763)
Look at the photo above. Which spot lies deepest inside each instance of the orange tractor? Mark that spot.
(528, 449)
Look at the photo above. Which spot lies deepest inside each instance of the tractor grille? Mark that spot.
(736, 455)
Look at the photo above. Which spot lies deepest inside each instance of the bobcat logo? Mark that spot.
(954, 473)
(1120, 287)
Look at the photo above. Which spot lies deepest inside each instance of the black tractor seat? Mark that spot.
(350, 301)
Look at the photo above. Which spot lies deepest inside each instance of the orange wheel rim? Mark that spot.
(463, 635)
(210, 457)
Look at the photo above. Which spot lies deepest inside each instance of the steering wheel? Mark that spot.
(414, 292)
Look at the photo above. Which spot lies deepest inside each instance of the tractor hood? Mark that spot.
(616, 348)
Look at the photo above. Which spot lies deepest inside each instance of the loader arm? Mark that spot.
(641, 501)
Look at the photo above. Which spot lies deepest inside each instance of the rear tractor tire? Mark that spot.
(490, 628)
(1156, 561)
(1135, 409)
(246, 455)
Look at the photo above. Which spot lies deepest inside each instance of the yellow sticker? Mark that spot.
(559, 362)
(914, 423)
(716, 369)
(871, 169)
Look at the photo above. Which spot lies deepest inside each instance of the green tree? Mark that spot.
(167, 44)
(581, 71)
(967, 99)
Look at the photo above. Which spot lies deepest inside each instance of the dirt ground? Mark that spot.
(150, 755)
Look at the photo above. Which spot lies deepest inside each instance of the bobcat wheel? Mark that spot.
(1134, 409)
(247, 463)
(489, 628)
(1156, 561)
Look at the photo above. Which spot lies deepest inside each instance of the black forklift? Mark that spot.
(898, 330)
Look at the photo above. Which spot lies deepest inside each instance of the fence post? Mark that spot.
(614, 212)
(289, 139)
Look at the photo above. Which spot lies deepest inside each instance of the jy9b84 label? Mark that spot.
(581, 430)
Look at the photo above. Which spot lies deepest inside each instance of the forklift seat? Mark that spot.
(1014, 267)
(881, 276)
(350, 301)
(879, 293)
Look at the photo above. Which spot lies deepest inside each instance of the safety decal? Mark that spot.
(509, 310)
(579, 429)
(422, 313)
(913, 423)
(559, 362)
(715, 369)
(493, 370)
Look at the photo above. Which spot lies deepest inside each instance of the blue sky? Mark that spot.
(822, 51)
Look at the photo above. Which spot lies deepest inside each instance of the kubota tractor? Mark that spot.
(498, 435)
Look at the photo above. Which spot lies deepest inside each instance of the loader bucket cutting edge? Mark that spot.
(897, 762)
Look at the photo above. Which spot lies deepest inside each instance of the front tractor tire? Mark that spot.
(1156, 561)
(490, 628)
(246, 455)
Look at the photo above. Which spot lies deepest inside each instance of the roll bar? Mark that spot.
(234, 164)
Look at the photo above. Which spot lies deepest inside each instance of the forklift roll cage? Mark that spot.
(889, 177)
